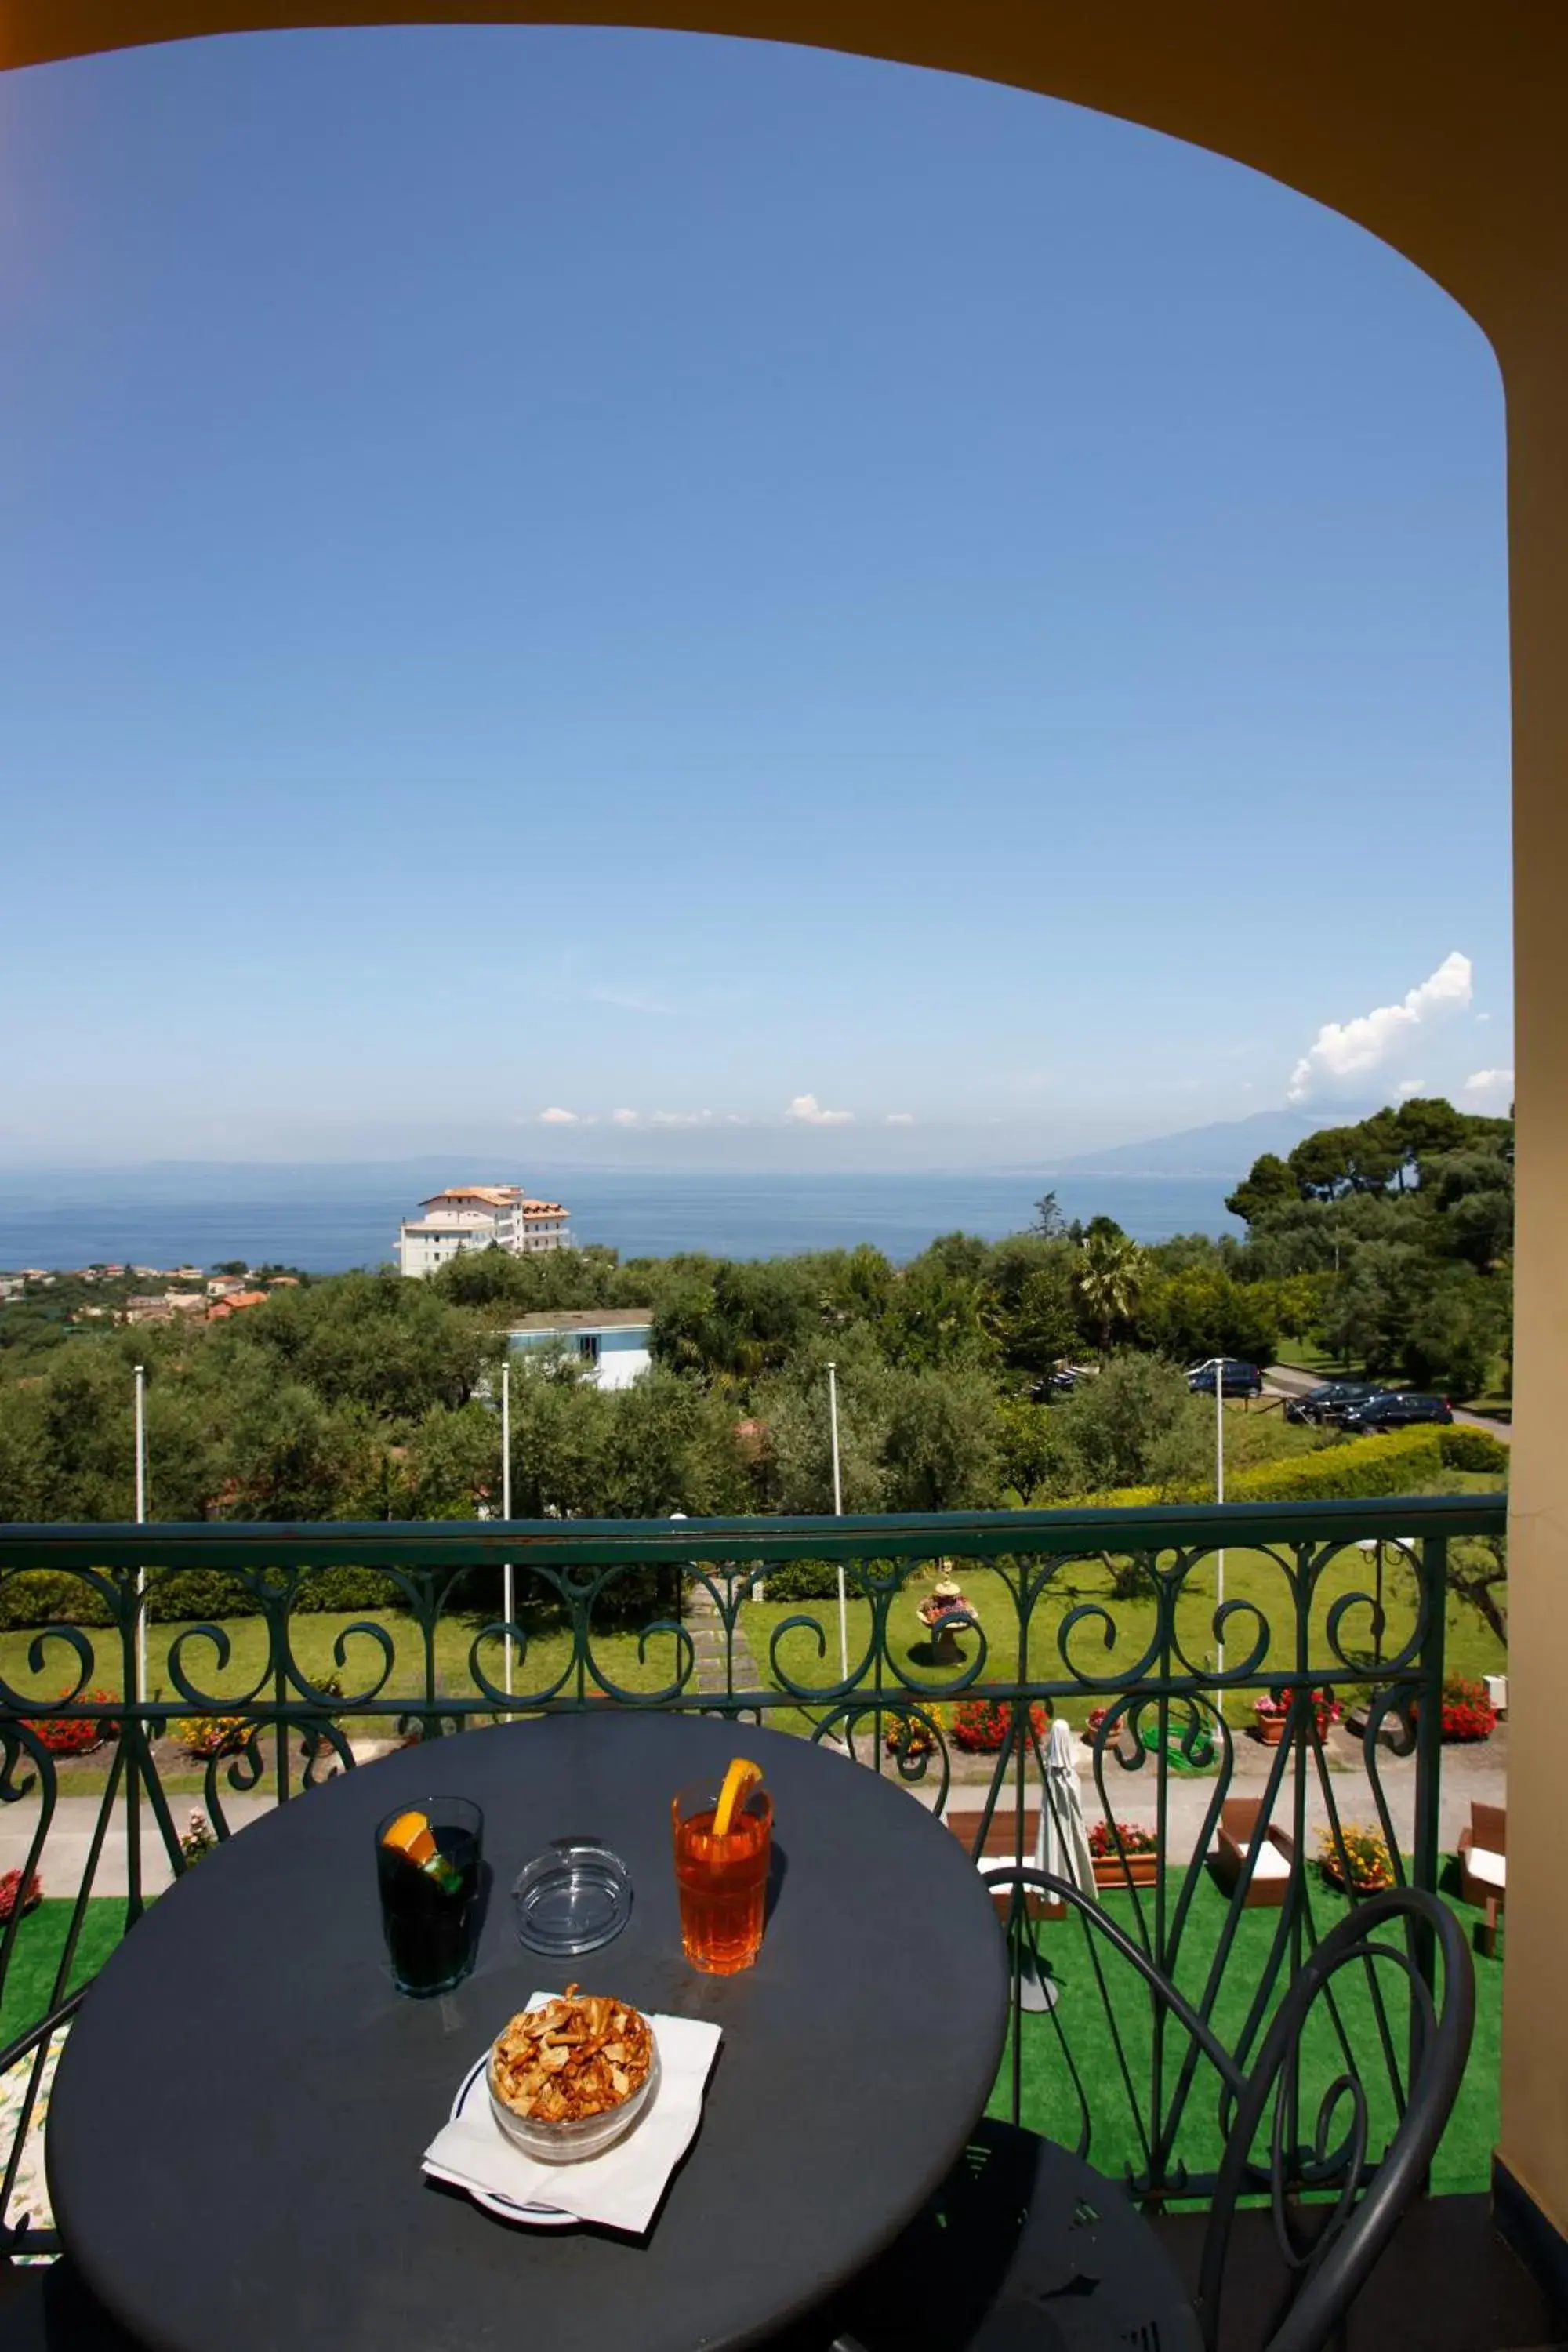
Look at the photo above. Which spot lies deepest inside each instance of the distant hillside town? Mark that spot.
(478, 1216)
(124, 1297)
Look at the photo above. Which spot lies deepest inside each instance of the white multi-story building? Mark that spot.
(480, 1217)
(614, 1343)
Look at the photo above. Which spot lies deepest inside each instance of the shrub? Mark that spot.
(78, 1735)
(42, 1596)
(47, 1596)
(1473, 1449)
(809, 1579)
(13, 1898)
(982, 1725)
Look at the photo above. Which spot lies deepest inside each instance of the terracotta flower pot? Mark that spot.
(1126, 1870)
(1271, 1730)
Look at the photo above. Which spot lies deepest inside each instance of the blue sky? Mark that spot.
(594, 573)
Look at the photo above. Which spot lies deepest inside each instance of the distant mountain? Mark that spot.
(1227, 1148)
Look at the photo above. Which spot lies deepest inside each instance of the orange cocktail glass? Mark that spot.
(723, 1881)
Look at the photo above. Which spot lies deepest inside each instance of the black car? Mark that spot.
(1395, 1408)
(1326, 1401)
(1236, 1379)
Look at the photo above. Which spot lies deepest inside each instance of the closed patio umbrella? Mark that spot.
(1061, 1846)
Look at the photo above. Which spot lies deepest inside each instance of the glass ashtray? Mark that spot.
(571, 1898)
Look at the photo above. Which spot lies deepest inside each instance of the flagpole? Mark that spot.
(838, 1514)
(141, 1425)
(1219, 1485)
(506, 1502)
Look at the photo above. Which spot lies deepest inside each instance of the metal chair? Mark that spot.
(984, 2265)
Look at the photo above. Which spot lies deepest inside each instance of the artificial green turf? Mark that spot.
(40, 1940)
(1050, 2102)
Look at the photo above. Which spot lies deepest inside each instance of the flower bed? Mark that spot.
(983, 1726)
(211, 1735)
(1468, 1712)
(74, 1735)
(909, 1735)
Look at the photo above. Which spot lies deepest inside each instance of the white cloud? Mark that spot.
(1408, 1086)
(899, 1119)
(806, 1111)
(556, 1118)
(682, 1119)
(1350, 1049)
(1493, 1088)
(623, 1118)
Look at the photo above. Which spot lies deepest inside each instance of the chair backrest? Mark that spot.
(1326, 2148)
(1489, 1827)
(1238, 1817)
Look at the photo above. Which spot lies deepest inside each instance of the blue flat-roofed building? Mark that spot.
(616, 1342)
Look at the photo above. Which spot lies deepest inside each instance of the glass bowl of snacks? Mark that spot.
(571, 2077)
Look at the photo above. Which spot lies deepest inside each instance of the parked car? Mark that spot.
(1236, 1379)
(1395, 1408)
(1326, 1402)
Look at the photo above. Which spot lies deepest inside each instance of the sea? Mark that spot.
(324, 1226)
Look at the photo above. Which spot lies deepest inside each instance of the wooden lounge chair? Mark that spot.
(1000, 1851)
(1239, 1829)
(1483, 1865)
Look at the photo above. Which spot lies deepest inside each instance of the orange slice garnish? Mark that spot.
(739, 1781)
(410, 1835)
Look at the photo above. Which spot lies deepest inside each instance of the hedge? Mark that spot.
(810, 1579)
(1474, 1449)
(34, 1597)
(1406, 1463)
(43, 1596)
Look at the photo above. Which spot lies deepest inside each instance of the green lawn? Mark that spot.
(1050, 2105)
(40, 1940)
(1250, 1576)
(312, 1638)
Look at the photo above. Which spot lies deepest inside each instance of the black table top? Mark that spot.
(239, 2113)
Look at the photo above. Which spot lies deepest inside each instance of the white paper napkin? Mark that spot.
(620, 2188)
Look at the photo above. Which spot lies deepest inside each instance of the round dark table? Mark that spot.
(240, 2110)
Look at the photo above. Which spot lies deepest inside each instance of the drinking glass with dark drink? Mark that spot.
(428, 1860)
(724, 1843)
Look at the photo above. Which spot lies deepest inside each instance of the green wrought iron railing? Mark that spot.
(279, 1649)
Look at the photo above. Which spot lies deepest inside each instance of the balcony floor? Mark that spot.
(1448, 2283)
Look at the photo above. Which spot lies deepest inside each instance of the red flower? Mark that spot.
(65, 1735)
(982, 1725)
(1468, 1712)
(11, 1889)
(1108, 1841)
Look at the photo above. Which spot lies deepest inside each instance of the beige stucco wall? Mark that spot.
(1440, 127)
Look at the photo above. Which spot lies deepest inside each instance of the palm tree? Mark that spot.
(1108, 1276)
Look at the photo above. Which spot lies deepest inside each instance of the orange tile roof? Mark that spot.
(494, 1196)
